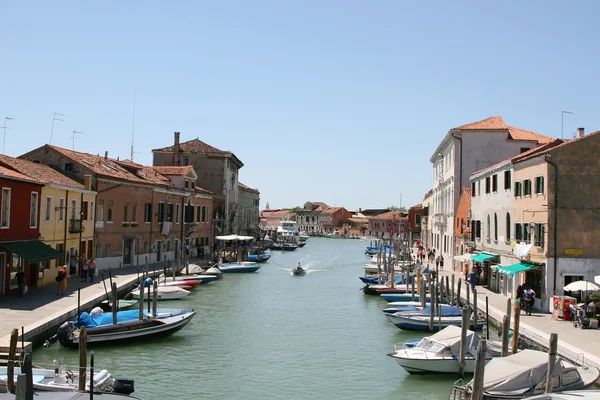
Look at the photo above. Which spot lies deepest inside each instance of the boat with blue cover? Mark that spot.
(396, 297)
(260, 258)
(238, 267)
(419, 320)
(100, 328)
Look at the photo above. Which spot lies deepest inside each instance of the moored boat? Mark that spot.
(400, 297)
(419, 320)
(239, 267)
(162, 293)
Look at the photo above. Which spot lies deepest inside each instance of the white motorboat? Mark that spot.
(59, 379)
(438, 354)
(524, 374)
(303, 236)
(287, 232)
(419, 320)
(163, 293)
(239, 267)
(574, 395)
(399, 268)
(187, 278)
(214, 271)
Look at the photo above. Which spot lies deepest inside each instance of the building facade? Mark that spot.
(426, 219)
(463, 151)
(389, 225)
(331, 218)
(462, 237)
(249, 200)
(218, 172)
(415, 215)
(308, 217)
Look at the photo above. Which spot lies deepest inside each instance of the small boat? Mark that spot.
(571, 395)
(298, 271)
(438, 354)
(524, 374)
(301, 244)
(399, 268)
(163, 293)
(380, 289)
(375, 279)
(399, 297)
(124, 304)
(419, 320)
(101, 330)
(59, 379)
(214, 271)
(406, 306)
(188, 279)
(259, 258)
(239, 267)
(284, 246)
(303, 237)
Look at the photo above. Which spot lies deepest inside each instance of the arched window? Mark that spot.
(507, 227)
(462, 225)
(495, 227)
(489, 228)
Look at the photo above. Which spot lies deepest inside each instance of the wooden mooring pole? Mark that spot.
(517, 311)
(551, 361)
(82, 358)
(141, 302)
(154, 298)
(431, 302)
(475, 310)
(468, 287)
(12, 356)
(423, 293)
(25, 379)
(463, 340)
(412, 288)
(487, 318)
(447, 294)
(115, 302)
(458, 300)
(479, 371)
(505, 329)
(453, 288)
(508, 309)
(92, 375)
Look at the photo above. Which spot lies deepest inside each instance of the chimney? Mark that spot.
(87, 182)
(176, 150)
(580, 132)
(106, 155)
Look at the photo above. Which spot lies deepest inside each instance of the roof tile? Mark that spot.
(194, 146)
(8, 173)
(173, 170)
(39, 172)
(497, 124)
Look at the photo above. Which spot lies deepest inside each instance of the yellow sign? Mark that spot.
(574, 252)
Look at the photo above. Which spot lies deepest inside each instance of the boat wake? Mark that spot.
(308, 271)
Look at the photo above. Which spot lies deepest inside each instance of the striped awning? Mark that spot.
(513, 269)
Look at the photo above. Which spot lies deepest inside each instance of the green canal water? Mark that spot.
(271, 335)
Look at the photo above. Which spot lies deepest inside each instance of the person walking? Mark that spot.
(472, 278)
(61, 278)
(73, 265)
(529, 294)
(441, 263)
(92, 269)
(84, 268)
(466, 271)
(437, 262)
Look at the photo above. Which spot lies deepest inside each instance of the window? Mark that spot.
(48, 216)
(186, 184)
(125, 211)
(170, 212)
(84, 211)
(487, 184)
(569, 377)
(33, 210)
(186, 161)
(147, 213)
(192, 185)
(472, 189)
(507, 178)
(540, 233)
(168, 245)
(108, 250)
(92, 211)
(161, 211)
(527, 187)
(177, 211)
(68, 166)
(478, 230)
(61, 209)
(109, 213)
(133, 212)
(524, 149)
(518, 232)
(518, 189)
(526, 232)
(198, 213)
(495, 183)
(418, 219)
(489, 229)
(495, 226)
(539, 185)
(507, 227)
(100, 210)
(73, 209)
(98, 250)
(203, 213)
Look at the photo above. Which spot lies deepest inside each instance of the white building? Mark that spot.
(463, 151)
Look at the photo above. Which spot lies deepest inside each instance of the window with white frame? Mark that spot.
(48, 213)
(92, 211)
(5, 218)
(73, 209)
(33, 211)
(61, 209)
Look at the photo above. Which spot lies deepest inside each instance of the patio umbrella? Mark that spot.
(581, 285)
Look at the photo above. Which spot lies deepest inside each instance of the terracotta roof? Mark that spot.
(240, 184)
(111, 168)
(331, 210)
(8, 173)
(497, 124)
(388, 215)
(360, 220)
(39, 172)
(558, 143)
(200, 190)
(194, 146)
(176, 170)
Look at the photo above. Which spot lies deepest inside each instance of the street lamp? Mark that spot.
(562, 121)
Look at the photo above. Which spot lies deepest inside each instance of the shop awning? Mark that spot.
(32, 251)
(513, 269)
(481, 257)
(463, 257)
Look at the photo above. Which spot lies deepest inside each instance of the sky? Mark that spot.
(342, 102)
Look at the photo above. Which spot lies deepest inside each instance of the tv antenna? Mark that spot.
(4, 128)
(133, 128)
(75, 133)
(55, 119)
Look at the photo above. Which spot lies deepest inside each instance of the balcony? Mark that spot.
(440, 219)
(75, 226)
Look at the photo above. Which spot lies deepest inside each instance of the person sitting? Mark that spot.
(573, 311)
(298, 267)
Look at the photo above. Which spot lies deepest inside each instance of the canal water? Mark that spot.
(271, 335)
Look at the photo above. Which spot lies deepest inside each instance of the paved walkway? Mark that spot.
(41, 309)
(573, 343)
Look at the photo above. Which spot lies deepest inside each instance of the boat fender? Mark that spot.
(148, 282)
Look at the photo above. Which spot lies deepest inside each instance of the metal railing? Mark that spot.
(76, 226)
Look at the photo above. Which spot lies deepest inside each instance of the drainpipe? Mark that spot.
(81, 224)
(461, 162)
(555, 234)
(66, 218)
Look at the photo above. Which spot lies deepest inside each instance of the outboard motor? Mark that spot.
(62, 334)
(123, 386)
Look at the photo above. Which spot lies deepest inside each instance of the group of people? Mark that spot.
(526, 297)
(87, 267)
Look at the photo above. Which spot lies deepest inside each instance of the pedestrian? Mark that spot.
(73, 265)
(437, 262)
(61, 278)
(92, 269)
(441, 263)
(472, 279)
(83, 265)
(466, 271)
(21, 282)
(529, 295)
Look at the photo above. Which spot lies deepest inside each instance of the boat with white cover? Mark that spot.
(162, 292)
(438, 354)
(524, 374)
(399, 267)
(239, 267)
(574, 395)
(59, 379)
(419, 320)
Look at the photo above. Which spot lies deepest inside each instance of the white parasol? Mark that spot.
(581, 285)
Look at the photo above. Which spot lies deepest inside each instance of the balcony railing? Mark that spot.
(75, 226)
(440, 219)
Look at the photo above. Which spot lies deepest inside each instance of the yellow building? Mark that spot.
(67, 211)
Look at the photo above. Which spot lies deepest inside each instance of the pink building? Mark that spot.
(390, 224)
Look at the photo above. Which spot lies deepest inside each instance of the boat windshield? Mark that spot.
(429, 345)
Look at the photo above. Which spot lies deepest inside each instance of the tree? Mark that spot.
(363, 229)
(396, 208)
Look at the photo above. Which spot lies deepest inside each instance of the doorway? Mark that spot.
(2, 273)
(158, 250)
(127, 251)
(34, 274)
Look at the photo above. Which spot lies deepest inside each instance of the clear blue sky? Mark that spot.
(334, 101)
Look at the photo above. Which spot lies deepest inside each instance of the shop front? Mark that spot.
(482, 264)
(523, 273)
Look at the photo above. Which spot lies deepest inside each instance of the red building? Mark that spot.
(21, 251)
(414, 223)
(331, 219)
(391, 224)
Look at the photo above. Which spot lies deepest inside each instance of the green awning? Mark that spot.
(513, 269)
(32, 251)
(481, 257)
